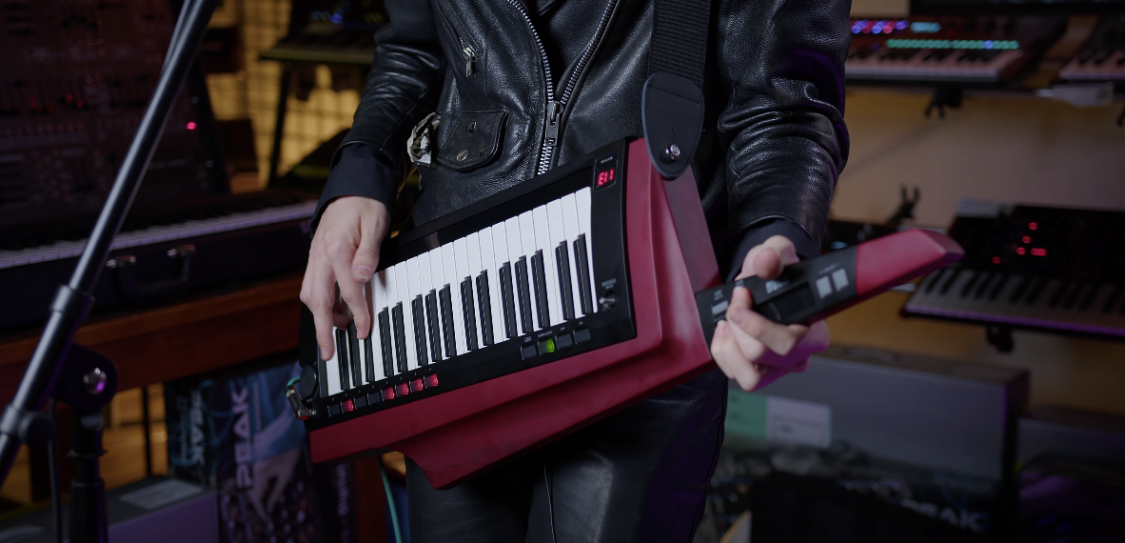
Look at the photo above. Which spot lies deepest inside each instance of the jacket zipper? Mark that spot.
(555, 106)
(470, 58)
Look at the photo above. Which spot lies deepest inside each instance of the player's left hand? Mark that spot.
(752, 349)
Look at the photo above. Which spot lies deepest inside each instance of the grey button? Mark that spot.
(823, 287)
(840, 279)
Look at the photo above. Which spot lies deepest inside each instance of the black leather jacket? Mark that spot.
(774, 139)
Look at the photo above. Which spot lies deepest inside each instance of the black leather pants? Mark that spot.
(639, 475)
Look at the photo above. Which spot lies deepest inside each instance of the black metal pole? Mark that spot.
(87, 522)
(73, 300)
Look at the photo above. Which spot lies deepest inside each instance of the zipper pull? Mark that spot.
(470, 59)
(551, 132)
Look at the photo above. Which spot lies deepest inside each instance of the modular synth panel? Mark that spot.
(77, 78)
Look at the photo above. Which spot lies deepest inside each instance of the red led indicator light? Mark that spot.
(605, 177)
(191, 125)
(1021, 250)
(1038, 251)
(995, 260)
(1033, 226)
(1027, 239)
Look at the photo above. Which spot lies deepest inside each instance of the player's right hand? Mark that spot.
(344, 252)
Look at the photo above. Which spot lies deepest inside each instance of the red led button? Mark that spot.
(431, 381)
(416, 385)
(388, 394)
(402, 389)
(348, 406)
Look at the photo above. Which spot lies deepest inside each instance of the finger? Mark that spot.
(341, 253)
(769, 375)
(366, 258)
(813, 341)
(767, 260)
(320, 301)
(776, 337)
(728, 356)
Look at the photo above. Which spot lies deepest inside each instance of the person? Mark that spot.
(485, 75)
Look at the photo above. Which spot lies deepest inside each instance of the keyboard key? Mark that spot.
(524, 292)
(463, 297)
(491, 267)
(566, 292)
(998, 287)
(409, 293)
(472, 245)
(453, 280)
(571, 228)
(512, 231)
(354, 360)
(329, 371)
(934, 279)
(545, 241)
(400, 338)
(485, 308)
(1114, 297)
(583, 263)
(342, 364)
(1089, 295)
(445, 297)
(527, 244)
(426, 271)
(507, 297)
(433, 326)
(468, 314)
(586, 232)
(418, 316)
(540, 285)
(386, 341)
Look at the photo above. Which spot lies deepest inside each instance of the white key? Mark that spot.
(425, 262)
(550, 275)
(527, 249)
(413, 288)
(570, 227)
(460, 253)
(449, 262)
(379, 297)
(512, 231)
(403, 297)
(499, 257)
(558, 237)
(582, 199)
(392, 301)
(472, 251)
(437, 280)
(488, 263)
(332, 367)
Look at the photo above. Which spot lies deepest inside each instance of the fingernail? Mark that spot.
(363, 271)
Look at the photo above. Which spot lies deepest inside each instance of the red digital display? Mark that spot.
(1038, 251)
(605, 177)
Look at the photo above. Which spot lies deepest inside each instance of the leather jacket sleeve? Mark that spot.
(782, 63)
(401, 89)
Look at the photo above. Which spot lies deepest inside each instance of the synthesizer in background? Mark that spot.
(1103, 57)
(1035, 268)
(972, 50)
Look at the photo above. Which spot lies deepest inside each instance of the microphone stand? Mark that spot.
(70, 373)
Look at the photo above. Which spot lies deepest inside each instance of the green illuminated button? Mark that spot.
(547, 346)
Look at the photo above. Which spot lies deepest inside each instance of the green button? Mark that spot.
(547, 346)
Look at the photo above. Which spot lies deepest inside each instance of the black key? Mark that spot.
(507, 299)
(998, 287)
(353, 354)
(322, 370)
(385, 338)
(566, 290)
(400, 337)
(935, 278)
(1020, 289)
(583, 264)
(1035, 290)
(1088, 299)
(370, 356)
(433, 325)
(485, 305)
(948, 284)
(540, 277)
(447, 322)
(418, 316)
(984, 284)
(977, 276)
(1059, 293)
(524, 293)
(342, 358)
(1075, 293)
(468, 312)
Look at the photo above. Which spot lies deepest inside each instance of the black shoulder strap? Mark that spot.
(672, 102)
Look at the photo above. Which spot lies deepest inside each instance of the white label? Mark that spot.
(794, 421)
